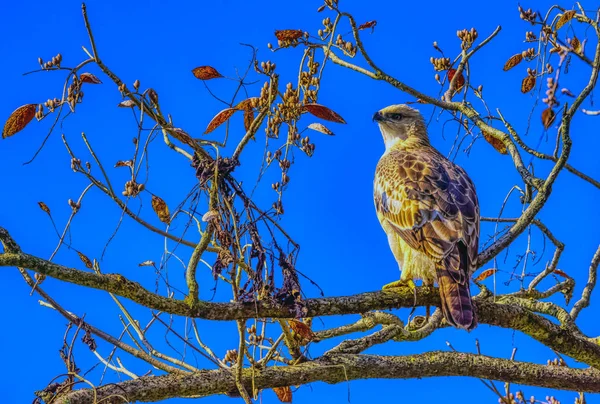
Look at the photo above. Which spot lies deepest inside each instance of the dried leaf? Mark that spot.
(321, 111)
(368, 24)
(248, 118)
(321, 8)
(565, 18)
(513, 61)
(126, 104)
(85, 260)
(219, 119)
(248, 103)
(460, 80)
(320, 128)
(124, 163)
(89, 78)
(527, 84)
(486, 274)
(548, 117)
(289, 34)
(284, 394)
(302, 330)
(146, 264)
(161, 209)
(210, 215)
(497, 144)
(576, 45)
(44, 207)
(561, 273)
(206, 73)
(18, 120)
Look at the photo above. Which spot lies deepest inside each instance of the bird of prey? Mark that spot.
(428, 208)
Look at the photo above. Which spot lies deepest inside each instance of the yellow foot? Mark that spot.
(401, 284)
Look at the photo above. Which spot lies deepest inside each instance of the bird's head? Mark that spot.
(399, 123)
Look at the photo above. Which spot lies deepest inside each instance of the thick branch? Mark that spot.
(344, 367)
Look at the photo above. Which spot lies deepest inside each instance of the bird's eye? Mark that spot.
(396, 116)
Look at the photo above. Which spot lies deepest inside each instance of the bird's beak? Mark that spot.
(378, 117)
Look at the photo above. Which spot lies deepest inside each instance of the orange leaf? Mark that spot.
(486, 274)
(289, 34)
(219, 119)
(548, 117)
(18, 119)
(44, 207)
(206, 73)
(126, 163)
(248, 103)
(565, 18)
(561, 273)
(321, 111)
(284, 394)
(576, 45)
(161, 209)
(85, 260)
(248, 118)
(302, 330)
(527, 84)
(460, 80)
(496, 143)
(89, 78)
(513, 61)
(320, 128)
(368, 24)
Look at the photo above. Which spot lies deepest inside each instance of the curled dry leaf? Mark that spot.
(44, 207)
(565, 18)
(18, 119)
(148, 263)
(321, 8)
(219, 119)
(289, 34)
(320, 128)
(210, 216)
(496, 143)
(548, 117)
(576, 45)
(321, 111)
(527, 84)
(124, 163)
(368, 24)
(460, 80)
(161, 209)
(126, 104)
(486, 274)
(85, 260)
(513, 61)
(284, 394)
(206, 73)
(89, 78)
(302, 330)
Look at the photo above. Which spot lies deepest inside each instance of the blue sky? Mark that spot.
(329, 208)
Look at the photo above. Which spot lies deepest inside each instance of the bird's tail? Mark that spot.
(455, 294)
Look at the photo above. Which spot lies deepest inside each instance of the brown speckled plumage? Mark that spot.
(428, 207)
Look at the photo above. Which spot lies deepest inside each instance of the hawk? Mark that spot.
(428, 208)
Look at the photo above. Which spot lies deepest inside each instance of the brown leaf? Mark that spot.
(219, 119)
(565, 18)
(18, 119)
(321, 8)
(496, 143)
(513, 61)
(248, 103)
(527, 84)
(248, 118)
(85, 260)
(321, 111)
(206, 73)
(548, 117)
(368, 24)
(146, 264)
(44, 207)
(126, 104)
(89, 78)
(289, 34)
(460, 80)
(576, 45)
(302, 330)
(161, 209)
(486, 274)
(124, 163)
(561, 273)
(320, 128)
(284, 394)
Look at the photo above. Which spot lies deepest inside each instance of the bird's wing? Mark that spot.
(431, 204)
